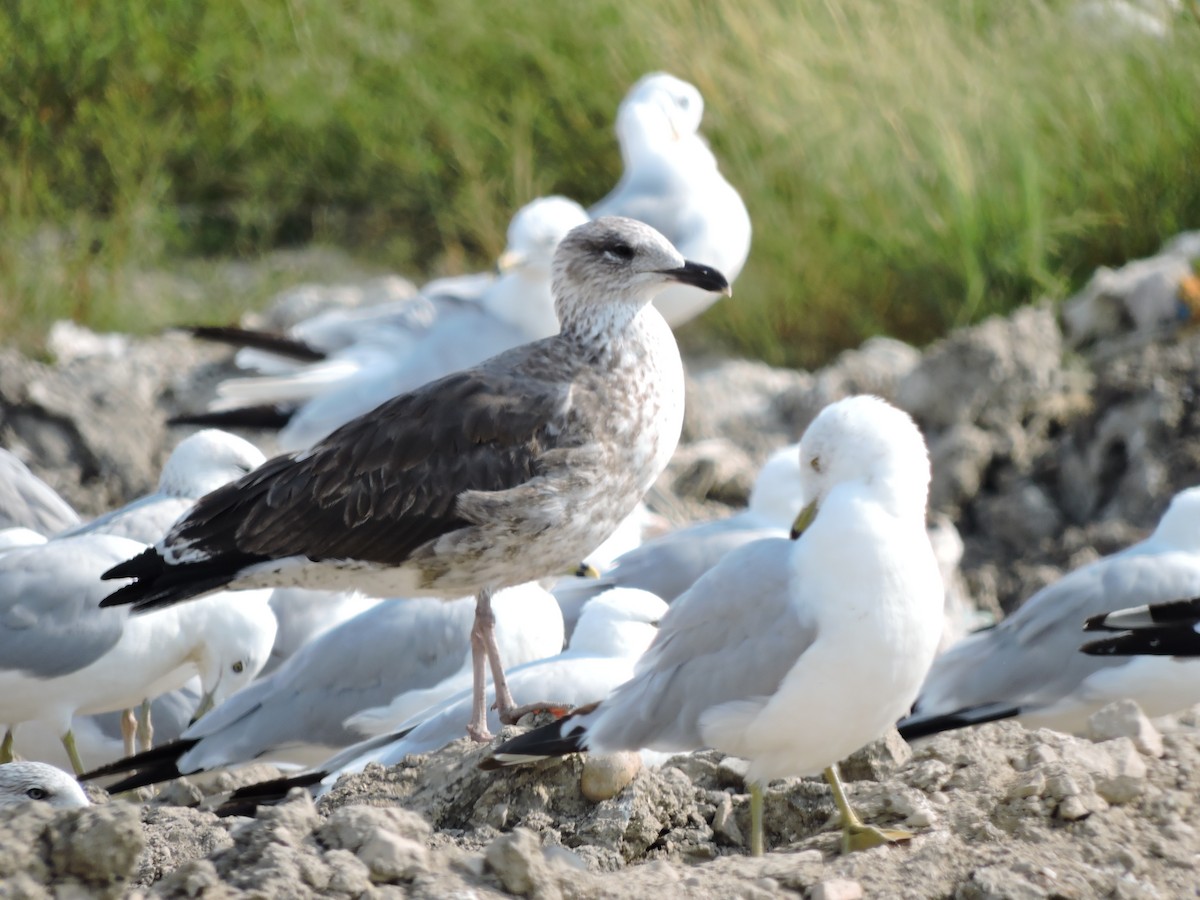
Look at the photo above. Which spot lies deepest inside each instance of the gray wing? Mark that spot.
(28, 502)
(51, 622)
(145, 520)
(733, 636)
(665, 566)
(1032, 658)
(397, 646)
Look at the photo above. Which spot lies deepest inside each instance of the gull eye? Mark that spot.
(37, 793)
(815, 462)
(618, 251)
(238, 667)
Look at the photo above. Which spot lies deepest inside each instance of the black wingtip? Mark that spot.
(246, 800)
(236, 336)
(1169, 641)
(151, 767)
(919, 726)
(269, 417)
(556, 739)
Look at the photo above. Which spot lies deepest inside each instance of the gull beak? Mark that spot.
(804, 519)
(587, 570)
(509, 260)
(704, 277)
(206, 704)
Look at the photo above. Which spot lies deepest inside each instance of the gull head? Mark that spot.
(37, 782)
(205, 461)
(535, 231)
(866, 440)
(777, 491)
(659, 107)
(618, 624)
(608, 269)
(236, 637)
(1179, 526)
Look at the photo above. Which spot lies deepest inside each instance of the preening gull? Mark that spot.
(671, 182)
(1157, 629)
(474, 482)
(671, 563)
(200, 463)
(295, 715)
(37, 782)
(615, 630)
(793, 654)
(28, 502)
(1029, 667)
(61, 654)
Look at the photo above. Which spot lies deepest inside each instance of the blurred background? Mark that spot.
(909, 165)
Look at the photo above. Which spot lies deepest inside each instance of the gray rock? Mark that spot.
(1126, 719)
(391, 858)
(518, 862)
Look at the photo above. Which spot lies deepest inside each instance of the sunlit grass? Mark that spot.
(909, 165)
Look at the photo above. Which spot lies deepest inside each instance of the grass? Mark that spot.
(909, 165)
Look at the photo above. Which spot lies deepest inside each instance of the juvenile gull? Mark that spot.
(793, 654)
(37, 782)
(28, 502)
(1029, 667)
(511, 471)
(671, 182)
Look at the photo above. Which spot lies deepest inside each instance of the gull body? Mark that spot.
(1029, 667)
(472, 483)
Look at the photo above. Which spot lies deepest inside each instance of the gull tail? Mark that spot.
(158, 584)
(919, 726)
(1155, 615)
(279, 344)
(151, 767)
(245, 800)
(567, 735)
(269, 416)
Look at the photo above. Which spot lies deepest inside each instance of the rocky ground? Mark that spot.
(1056, 436)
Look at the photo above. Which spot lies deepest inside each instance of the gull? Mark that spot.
(303, 616)
(385, 359)
(613, 632)
(792, 654)
(670, 564)
(61, 654)
(199, 464)
(671, 182)
(28, 502)
(37, 782)
(418, 649)
(1156, 629)
(511, 471)
(1028, 668)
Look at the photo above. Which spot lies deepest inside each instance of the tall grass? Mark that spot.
(909, 165)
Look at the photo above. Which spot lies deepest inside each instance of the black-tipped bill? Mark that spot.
(704, 277)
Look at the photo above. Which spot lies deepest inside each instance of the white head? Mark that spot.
(620, 623)
(1179, 526)
(607, 270)
(235, 632)
(778, 494)
(27, 782)
(205, 461)
(867, 440)
(522, 295)
(529, 623)
(659, 109)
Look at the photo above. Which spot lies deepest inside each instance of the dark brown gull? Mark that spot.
(484, 479)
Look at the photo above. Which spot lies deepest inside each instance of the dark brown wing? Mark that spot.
(385, 483)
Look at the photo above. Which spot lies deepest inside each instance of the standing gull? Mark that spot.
(481, 480)
(1028, 667)
(793, 654)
